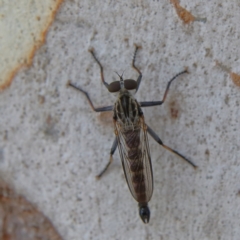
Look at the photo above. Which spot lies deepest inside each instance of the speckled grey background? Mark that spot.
(52, 144)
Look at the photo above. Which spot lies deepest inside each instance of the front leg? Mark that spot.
(156, 103)
(134, 66)
(102, 109)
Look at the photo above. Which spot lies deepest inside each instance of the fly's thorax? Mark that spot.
(127, 110)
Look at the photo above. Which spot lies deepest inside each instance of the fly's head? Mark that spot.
(122, 85)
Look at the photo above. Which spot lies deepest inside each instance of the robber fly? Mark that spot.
(131, 135)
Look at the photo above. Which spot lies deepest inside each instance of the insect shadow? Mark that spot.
(131, 135)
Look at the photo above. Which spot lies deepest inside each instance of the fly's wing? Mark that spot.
(136, 160)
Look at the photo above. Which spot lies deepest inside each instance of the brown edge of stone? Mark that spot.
(31, 54)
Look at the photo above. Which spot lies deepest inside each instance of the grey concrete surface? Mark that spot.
(53, 144)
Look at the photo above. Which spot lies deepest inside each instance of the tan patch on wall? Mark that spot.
(23, 28)
(20, 220)
(185, 15)
(236, 78)
(106, 118)
(174, 109)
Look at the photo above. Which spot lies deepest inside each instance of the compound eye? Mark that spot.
(114, 86)
(130, 84)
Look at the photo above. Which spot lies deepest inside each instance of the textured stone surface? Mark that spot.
(52, 144)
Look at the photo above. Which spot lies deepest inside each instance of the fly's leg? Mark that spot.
(155, 103)
(114, 146)
(101, 67)
(102, 109)
(158, 140)
(133, 65)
